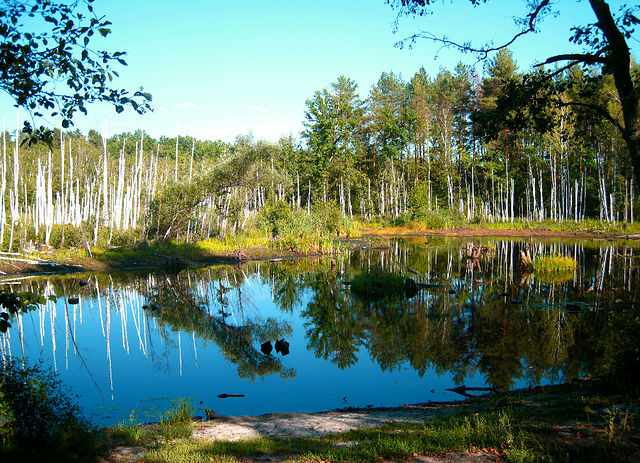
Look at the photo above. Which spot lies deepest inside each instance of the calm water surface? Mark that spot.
(131, 344)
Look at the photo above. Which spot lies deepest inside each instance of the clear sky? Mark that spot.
(217, 68)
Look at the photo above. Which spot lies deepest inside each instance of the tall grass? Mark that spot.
(554, 264)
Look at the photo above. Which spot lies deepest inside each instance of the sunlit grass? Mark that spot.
(554, 265)
(587, 226)
(233, 242)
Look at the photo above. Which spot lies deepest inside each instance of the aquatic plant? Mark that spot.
(375, 281)
(554, 264)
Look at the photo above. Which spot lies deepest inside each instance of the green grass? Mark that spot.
(587, 226)
(231, 243)
(524, 426)
(554, 264)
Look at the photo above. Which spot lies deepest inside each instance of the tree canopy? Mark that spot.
(604, 44)
(48, 64)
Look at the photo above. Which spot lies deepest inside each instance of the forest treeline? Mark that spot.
(447, 148)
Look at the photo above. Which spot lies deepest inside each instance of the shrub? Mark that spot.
(275, 217)
(127, 237)
(402, 220)
(74, 237)
(328, 218)
(439, 219)
(37, 417)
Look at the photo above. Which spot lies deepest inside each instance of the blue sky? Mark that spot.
(217, 69)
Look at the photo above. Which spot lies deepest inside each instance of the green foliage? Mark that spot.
(12, 303)
(130, 237)
(424, 212)
(328, 219)
(126, 432)
(37, 417)
(376, 281)
(441, 219)
(180, 412)
(617, 423)
(554, 264)
(242, 240)
(49, 43)
(277, 217)
(177, 422)
(175, 206)
(301, 232)
(74, 237)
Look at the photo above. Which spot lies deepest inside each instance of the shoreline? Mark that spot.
(49, 263)
(576, 410)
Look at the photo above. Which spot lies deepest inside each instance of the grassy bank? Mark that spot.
(278, 233)
(580, 422)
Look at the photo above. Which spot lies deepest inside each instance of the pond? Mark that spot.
(129, 345)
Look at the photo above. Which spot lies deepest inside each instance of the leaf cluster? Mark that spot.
(12, 303)
(56, 71)
(38, 419)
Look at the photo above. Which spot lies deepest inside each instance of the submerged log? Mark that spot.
(462, 390)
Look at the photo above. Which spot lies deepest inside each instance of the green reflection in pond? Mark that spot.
(174, 302)
(474, 315)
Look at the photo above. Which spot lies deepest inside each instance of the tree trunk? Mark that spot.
(619, 61)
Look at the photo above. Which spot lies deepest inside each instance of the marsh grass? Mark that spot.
(173, 424)
(587, 226)
(126, 432)
(376, 281)
(233, 242)
(554, 265)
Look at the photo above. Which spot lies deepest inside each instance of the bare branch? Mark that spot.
(484, 51)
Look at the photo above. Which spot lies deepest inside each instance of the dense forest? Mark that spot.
(445, 149)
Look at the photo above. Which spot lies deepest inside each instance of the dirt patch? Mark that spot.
(280, 425)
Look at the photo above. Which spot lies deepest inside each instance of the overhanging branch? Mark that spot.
(587, 58)
(598, 109)
(482, 52)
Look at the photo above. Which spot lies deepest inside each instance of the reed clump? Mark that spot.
(554, 264)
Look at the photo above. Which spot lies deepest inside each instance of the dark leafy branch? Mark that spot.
(605, 43)
(56, 71)
(14, 303)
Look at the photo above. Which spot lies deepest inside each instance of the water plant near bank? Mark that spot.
(554, 264)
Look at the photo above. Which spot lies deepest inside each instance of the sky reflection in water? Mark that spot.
(199, 333)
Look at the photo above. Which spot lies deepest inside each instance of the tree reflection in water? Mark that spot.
(476, 316)
(174, 303)
(493, 321)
